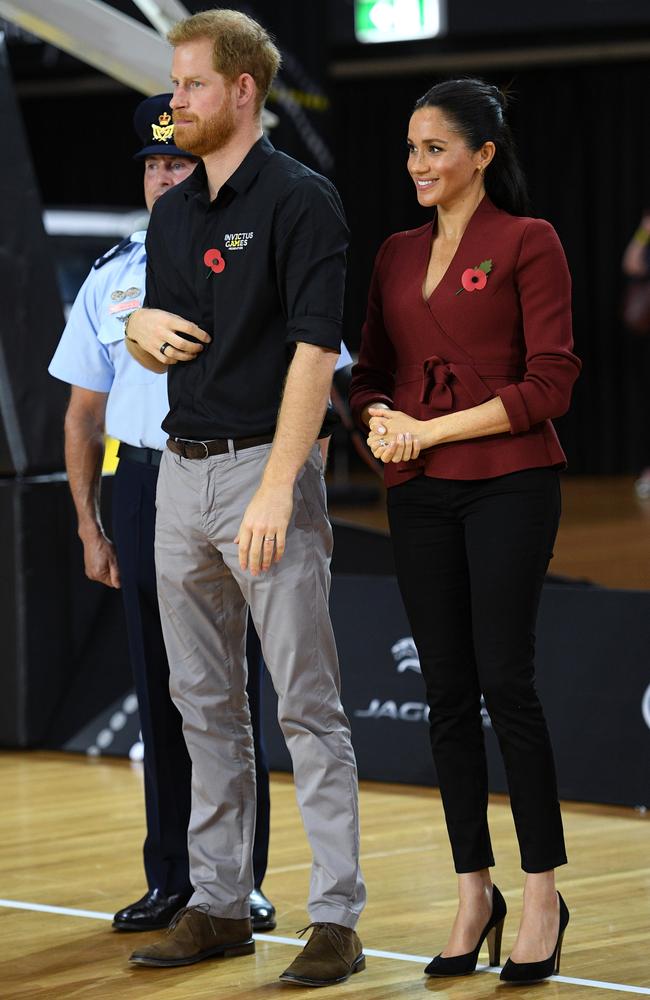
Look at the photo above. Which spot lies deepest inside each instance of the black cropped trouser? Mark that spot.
(471, 558)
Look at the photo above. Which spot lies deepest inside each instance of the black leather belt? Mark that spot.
(146, 456)
(218, 446)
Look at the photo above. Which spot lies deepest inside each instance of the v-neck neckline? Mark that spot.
(426, 299)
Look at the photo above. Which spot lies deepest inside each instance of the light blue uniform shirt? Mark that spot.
(92, 353)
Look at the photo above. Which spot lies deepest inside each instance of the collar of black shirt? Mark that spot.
(196, 185)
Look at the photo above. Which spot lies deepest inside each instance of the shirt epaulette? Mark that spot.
(120, 248)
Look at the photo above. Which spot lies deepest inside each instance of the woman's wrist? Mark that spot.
(429, 433)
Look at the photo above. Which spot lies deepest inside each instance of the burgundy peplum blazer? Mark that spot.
(512, 338)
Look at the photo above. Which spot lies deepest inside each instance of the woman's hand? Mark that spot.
(394, 436)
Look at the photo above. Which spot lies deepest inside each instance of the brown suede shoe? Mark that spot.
(194, 935)
(330, 956)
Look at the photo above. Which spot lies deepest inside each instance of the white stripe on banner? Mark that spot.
(395, 956)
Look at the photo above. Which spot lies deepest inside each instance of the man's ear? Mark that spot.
(245, 90)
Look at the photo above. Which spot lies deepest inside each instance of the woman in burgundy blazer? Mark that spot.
(466, 357)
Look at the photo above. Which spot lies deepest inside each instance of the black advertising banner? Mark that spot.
(593, 675)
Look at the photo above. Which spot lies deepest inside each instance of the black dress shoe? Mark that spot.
(262, 911)
(151, 913)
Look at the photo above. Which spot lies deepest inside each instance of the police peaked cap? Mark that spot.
(153, 123)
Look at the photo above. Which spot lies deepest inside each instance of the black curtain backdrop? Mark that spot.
(584, 141)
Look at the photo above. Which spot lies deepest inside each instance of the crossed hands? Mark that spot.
(394, 436)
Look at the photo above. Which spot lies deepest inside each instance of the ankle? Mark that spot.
(473, 886)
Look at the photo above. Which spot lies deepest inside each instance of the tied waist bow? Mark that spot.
(437, 378)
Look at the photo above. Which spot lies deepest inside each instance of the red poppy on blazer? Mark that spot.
(511, 339)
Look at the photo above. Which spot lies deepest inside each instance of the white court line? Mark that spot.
(372, 952)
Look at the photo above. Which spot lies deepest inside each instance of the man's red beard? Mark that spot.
(207, 136)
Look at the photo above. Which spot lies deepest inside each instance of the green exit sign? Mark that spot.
(398, 20)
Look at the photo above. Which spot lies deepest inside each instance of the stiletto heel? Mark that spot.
(559, 952)
(462, 965)
(494, 942)
(534, 972)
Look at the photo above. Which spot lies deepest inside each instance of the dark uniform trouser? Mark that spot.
(167, 766)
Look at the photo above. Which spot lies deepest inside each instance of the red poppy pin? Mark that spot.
(213, 259)
(475, 278)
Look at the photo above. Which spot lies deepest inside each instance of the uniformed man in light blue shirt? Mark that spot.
(112, 393)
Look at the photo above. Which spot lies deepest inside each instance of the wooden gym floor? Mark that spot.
(71, 832)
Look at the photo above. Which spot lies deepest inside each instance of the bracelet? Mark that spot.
(126, 326)
(641, 236)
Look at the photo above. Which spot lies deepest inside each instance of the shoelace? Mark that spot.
(178, 916)
(333, 933)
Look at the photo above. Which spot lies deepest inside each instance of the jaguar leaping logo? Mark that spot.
(406, 655)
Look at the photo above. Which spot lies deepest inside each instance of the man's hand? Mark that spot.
(263, 531)
(100, 561)
(150, 329)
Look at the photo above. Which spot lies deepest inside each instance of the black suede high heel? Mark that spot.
(533, 972)
(462, 965)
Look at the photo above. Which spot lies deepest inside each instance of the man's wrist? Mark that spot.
(126, 326)
(276, 479)
(89, 531)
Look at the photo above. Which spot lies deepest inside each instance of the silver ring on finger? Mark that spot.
(269, 538)
(163, 347)
(382, 443)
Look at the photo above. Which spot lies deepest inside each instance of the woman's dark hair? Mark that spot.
(476, 110)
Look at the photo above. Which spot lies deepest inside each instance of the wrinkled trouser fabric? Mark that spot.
(204, 598)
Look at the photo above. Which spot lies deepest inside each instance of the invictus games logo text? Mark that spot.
(237, 241)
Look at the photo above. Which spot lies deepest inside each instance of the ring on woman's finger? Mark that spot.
(382, 443)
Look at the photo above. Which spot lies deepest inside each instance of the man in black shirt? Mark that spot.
(245, 276)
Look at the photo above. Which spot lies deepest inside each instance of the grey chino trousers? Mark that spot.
(204, 600)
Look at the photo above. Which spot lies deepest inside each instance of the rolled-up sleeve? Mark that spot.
(311, 240)
(373, 378)
(544, 287)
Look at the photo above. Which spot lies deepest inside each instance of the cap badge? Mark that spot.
(163, 131)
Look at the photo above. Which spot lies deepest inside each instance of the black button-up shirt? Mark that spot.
(260, 268)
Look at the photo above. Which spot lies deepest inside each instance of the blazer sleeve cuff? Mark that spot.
(360, 400)
(515, 408)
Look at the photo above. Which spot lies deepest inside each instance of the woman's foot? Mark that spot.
(474, 910)
(540, 920)
(473, 900)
